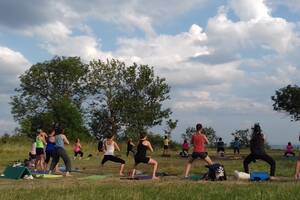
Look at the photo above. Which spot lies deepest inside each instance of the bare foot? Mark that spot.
(122, 174)
(155, 178)
(68, 174)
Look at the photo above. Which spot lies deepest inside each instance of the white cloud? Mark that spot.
(274, 33)
(248, 9)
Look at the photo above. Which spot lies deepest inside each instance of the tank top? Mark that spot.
(110, 148)
(50, 145)
(141, 150)
(198, 142)
(59, 142)
(77, 147)
(39, 143)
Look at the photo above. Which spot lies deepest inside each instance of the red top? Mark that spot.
(198, 141)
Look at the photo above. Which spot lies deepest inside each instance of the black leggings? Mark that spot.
(112, 158)
(78, 152)
(289, 153)
(49, 154)
(57, 153)
(236, 150)
(252, 157)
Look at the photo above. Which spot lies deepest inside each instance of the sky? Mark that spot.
(223, 59)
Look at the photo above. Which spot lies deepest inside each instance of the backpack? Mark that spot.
(216, 172)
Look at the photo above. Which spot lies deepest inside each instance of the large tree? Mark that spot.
(126, 98)
(51, 92)
(287, 99)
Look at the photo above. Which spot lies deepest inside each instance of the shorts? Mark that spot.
(220, 149)
(141, 160)
(201, 155)
(112, 158)
(166, 146)
(39, 151)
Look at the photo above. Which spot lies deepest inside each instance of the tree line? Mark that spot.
(91, 99)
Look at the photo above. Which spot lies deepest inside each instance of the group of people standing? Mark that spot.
(52, 145)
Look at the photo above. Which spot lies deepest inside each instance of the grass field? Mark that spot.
(171, 187)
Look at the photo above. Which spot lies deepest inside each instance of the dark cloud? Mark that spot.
(16, 14)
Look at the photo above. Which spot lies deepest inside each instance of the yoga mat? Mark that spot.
(141, 177)
(195, 177)
(47, 176)
(93, 177)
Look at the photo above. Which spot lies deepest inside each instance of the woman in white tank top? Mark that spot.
(109, 147)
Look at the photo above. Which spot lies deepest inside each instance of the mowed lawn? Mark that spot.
(170, 187)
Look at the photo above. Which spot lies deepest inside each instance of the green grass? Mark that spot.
(166, 188)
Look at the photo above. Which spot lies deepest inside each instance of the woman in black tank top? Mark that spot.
(140, 156)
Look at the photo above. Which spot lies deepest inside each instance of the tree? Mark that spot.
(49, 93)
(243, 135)
(126, 99)
(171, 125)
(288, 99)
(208, 131)
(106, 84)
(143, 96)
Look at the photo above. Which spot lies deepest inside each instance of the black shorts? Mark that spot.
(220, 149)
(201, 155)
(166, 146)
(39, 151)
(141, 160)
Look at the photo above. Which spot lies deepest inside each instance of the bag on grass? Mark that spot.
(216, 172)
(259, 176)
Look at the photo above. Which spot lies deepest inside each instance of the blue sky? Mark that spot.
(223, 59)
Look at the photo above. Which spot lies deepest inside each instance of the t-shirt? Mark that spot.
(185, 146)
(198, 142)
(220, 144)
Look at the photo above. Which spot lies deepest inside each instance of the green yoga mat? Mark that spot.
(195, 177)
(47, 176)
(15, 172)
(93, 177)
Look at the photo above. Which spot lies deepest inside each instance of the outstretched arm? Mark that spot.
(150, 146)
(66, 141)
(116, 146)
(206, 140)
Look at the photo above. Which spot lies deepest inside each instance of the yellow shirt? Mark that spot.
(166, 142)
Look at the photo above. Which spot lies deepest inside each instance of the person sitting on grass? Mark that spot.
(59, 151)
(141, 155)
(130, 146)
(78, 149)
(220, 147)
(166, 146)
(289, 150)
(257, 148)
(185, 148)
(198, 141)
(236, 146)
(109, 147)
